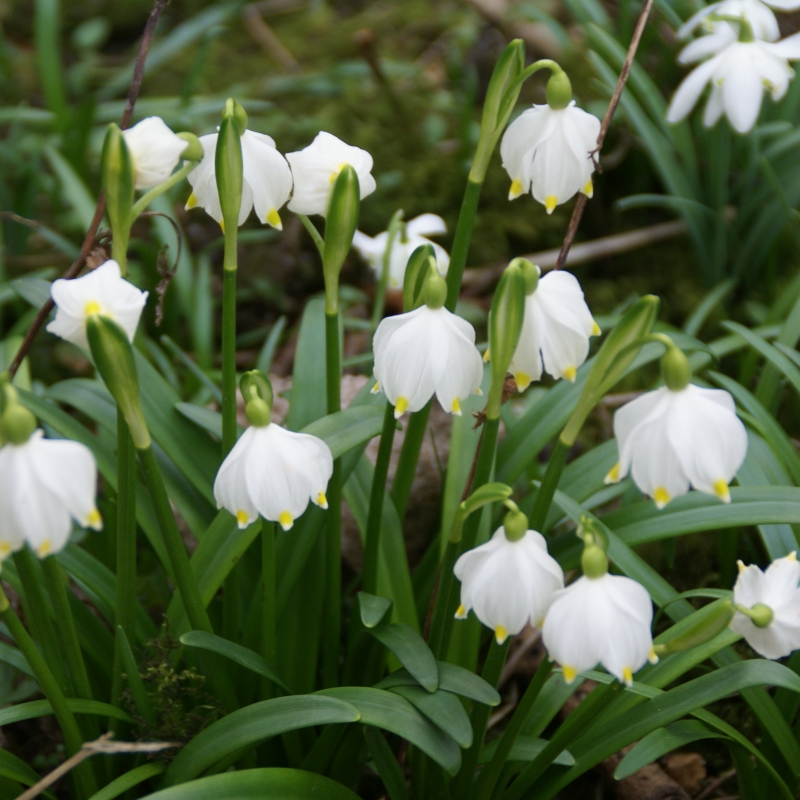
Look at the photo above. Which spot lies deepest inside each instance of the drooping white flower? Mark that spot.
(548, 152)
(776, 590)
(738, 74)
(315, 169)
(555, 330)
(103, 291)
(425, 352)
(273, 472)
(372, 249)
(155, 151)
(266, 179)
(508, 583)
(671, 440)
(44, 484)
(603, 620)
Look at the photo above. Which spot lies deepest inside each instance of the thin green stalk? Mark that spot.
(463, 234)
(269, 637)
(492, 670)
(119, 250)
(372, 538)
(409, 456)
(491, 772)
(184, 577)
(483, 473)
(549, 484)
(38, 616)
(313, 233)
(441, 624)
(575, 724)
(229, 344)
(333, 545)
(83, 774)
(386, 263)
(147, 198)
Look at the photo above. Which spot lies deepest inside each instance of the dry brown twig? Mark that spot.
(103, 745)
(88, 242)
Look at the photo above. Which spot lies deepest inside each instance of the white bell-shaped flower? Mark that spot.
(738, 75)
(273, 472)
(315, 169)
(44, 485)
(424, 352)
(266, 179)
(372, 249)
(507, 582)
(549, 152)
(771, 599)
(103, 291)
(155, 151)
(604, 620)
(671, 440)
(555, 330)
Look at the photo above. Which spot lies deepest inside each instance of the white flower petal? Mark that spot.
(688, 93)
(154, 149)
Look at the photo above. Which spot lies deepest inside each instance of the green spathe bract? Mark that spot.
(228, 166)
(341, 222)
(118, 173)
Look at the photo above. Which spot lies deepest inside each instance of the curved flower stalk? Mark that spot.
(266, 179)
(549, 149)
(272, 471)
(155, 151)
(510, 580)
(316, 167)
(556, 328)
(601, 618)
(103, 291)
(425, 352)
(768, 607)
(738, 75)
(372, 249)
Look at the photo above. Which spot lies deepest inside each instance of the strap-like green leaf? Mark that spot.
(442, 709)
(42, 708)
(16, 769)
(128, 780)
(411, 651)
(452, 678)
(386, 762)
(526, 748)
(373, 608)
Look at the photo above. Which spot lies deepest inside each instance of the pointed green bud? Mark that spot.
(594, 561)
(113, 357)
(515, 525)
(341, 221)
(435, 291)
(705, 625)
(118, 175)
(228, 168)
(235, 111)
(612, 360)
(257, 393)
(675, 369)
(17, 424)
(531, 274)
(559, 90)
(488, 493)
(505, 325)
(194, 150)
(416, 273)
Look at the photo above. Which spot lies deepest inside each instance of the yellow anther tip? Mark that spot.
(375, 389)
(596, 329)
(321, 500)
(274, 219)
(550, 202)
(652, 656)
(570, 673)
(588, 189)
(285, 520)
(661, 497)
(242, 518)
(500, 634)
(461, 612)
(94, 520)
(92, 307)
(613, 474)
(627, 676)
(400, 407)
(222, 225)
(523, 381)
(570, 373)
(44, 548)
(722, 491)
(740, 565)
(486, 356)
(792, 556)
(455, 407)
(516, 189)
(191, 202)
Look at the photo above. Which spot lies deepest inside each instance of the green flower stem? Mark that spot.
(333, 546)
(409, 456)
(372, 538)
(147, 198)
(184, 577)
(492, 670)
(229, 343)
(119, 250)
(544, 497)
(386, 262)
(313, 233)
(491, 772)
(575, 725)
(458, 255)
(268, 616)
(441, 624)
(38, 616)
(83, 773)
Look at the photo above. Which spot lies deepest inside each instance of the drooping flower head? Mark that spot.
(555, 329)
(427, 351)
(372, 249)
(315, 169)
(103, 291)
(679, 436)
(768, 607)
(271, 471)
(266, 179)
(155, 151)
(510, 580)
(600, 619)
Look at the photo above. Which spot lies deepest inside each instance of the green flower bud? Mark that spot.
(194, 150)
(17, 424)
(341, 221)
(257, 393)
(761, 615)
(594, 561)
(559, 90)
(515, 525)
(416, 273)
(675, 369)
(113, 357)
(505, 325)
(530, 272)
(118, 175)
(488, 493)
(235, 110)
(228, 166)
(710, 622)
(435, 291)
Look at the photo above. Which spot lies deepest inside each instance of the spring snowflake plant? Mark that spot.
(394, 673)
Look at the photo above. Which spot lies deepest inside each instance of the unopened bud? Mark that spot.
(118, 176)
(194, 150)
(675, 370)
(530, 272)
(416, 273)
(235, 110)
(228, 167)
(711, 621)
(341, 221)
